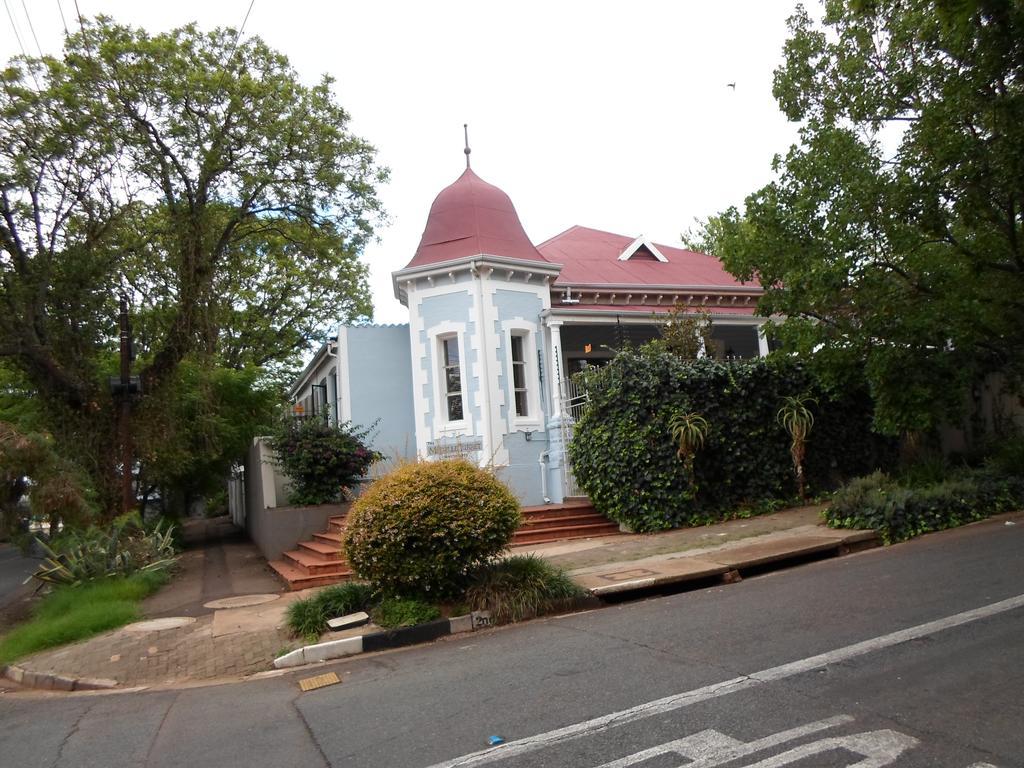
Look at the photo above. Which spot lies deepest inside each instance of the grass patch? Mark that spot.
(521, 587)
(75, 613)
(396, 612)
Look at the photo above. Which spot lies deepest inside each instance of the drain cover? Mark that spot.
(241, 601)
(156, 625)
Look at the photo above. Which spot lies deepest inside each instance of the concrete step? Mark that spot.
(325, 550)
(297, 579)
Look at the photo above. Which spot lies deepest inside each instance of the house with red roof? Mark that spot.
(498, 325)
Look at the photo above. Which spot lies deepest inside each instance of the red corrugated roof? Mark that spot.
(469, 218)
(591, 257)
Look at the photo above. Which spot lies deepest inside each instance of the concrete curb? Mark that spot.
(379, 641)
(47, 681)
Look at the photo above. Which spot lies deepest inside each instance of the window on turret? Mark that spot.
(452, 371)
(519, 390)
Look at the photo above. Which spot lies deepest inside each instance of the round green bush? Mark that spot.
(420, 530)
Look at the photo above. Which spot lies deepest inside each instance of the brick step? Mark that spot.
(336, 524)
(296, 578)
(545, 535)
(325, 550)
(562, 522)
(332, 538)
(557, 510)
(314, 563)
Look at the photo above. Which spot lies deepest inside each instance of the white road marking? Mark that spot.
(878, 748)
(715, 690)
(707, 746)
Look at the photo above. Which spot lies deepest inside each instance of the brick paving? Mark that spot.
(189, 653)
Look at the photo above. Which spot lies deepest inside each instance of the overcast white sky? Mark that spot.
(613, 115)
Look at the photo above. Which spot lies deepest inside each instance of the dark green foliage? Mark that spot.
(122, 548)
(225, 193)
(420, 530)
(899, 512)
(396, 612)
(625, 458)
(322, 461)
(308, 618)
(891, 238)
(522, 587)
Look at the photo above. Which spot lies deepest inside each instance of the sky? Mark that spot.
(612, 115)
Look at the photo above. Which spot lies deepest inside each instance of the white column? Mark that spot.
(762, 340)
(555, 366)
(332, 394)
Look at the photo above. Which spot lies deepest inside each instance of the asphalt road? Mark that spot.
(908, 656)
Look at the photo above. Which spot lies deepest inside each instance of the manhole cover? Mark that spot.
(156, 625)
(241, 601)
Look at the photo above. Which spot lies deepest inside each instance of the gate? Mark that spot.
(572, 402)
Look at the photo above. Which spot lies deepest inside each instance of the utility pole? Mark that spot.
(124, 389)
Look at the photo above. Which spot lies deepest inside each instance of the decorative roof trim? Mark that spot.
(311, 367)
(642, 242)
(399, 277)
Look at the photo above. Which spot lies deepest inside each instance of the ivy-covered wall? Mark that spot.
(625, 458)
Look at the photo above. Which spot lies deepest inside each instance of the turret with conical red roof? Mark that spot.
(473, 218)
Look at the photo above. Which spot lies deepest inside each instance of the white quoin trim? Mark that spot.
(344, 383)
(639, 243)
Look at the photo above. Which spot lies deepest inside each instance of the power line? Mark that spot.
(15, 28)
(17, 36)
(32, 29)
(62, 19)
(241, 29)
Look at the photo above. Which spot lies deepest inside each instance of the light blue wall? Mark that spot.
(380, 386)
(523, 473)
(453, 307)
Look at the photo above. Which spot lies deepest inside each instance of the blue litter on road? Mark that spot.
(495, 741)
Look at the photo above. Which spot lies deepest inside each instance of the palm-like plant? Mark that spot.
(796, 418)
(689, 430)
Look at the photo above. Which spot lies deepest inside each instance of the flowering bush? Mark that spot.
(420, 530)
(322, 460)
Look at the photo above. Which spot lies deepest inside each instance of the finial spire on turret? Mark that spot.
(467, 150)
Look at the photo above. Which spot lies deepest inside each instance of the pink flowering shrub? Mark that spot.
(323, 461)
(420, 530)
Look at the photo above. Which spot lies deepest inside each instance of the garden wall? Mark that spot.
(278, 529)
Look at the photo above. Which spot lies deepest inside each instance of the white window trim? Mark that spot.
(528, 331)
(436, 337)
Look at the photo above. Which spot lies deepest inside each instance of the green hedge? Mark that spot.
(624, 457)
(898, 512)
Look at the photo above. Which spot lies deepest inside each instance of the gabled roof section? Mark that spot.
(471, 218)
(592, 257)
(642, 249)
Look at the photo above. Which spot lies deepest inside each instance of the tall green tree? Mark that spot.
(892, 238)
(195, 171)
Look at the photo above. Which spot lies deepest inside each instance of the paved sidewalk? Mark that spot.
(622, 564)
(216, 640)
(212, 640)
